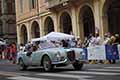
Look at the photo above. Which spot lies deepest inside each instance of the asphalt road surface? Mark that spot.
(9, 71)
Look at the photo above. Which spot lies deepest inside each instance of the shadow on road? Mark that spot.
(55, 70)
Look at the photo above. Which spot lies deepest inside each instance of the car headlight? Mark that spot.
(58, 55)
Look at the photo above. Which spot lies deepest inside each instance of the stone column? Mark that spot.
(18, 35)
(74, 22)
(81, 28)
(3, 6)
(55, 21)
(4, 18)
(98, 18)
(79, 25)
(29, 35)
(60, 26)
(41, 27)
(4, 26)
(105, 23)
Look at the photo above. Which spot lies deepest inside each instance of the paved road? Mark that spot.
(10, 71)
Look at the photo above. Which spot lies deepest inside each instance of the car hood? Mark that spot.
(61, 50)
(56, 49)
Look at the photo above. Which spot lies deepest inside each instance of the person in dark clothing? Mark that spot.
(87, 40)
(64, 43)
(115, 40)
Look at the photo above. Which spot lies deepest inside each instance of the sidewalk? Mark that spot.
(2, 61)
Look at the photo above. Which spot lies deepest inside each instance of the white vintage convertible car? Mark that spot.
(49, 56)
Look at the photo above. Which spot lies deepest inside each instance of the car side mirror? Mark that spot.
(29, 54)
(24, 50)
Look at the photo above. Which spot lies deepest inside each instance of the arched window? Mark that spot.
(49, 25)
(65, 23)
(86, 21)
(24, 38)
(35, 30)
(111, 16)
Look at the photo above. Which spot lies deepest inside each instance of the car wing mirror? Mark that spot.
(28, 53)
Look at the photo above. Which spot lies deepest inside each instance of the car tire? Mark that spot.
(22, 66)
(77, 66)
(47, 64)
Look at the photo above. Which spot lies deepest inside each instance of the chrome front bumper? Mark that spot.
(66, 61)
(59, 62)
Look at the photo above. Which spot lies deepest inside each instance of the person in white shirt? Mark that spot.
(22, 47)
(98, 40)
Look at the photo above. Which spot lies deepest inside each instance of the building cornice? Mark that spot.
(33, 17)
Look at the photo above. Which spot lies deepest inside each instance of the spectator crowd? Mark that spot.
(9, 51)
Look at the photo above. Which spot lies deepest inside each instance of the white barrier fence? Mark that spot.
(96, 53)
(104, 52)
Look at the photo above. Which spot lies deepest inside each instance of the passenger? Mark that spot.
(79, 43)
(21, 47)
(35, 46)
(64, 43)
(28, 45)
(58, 44)
(72, 42)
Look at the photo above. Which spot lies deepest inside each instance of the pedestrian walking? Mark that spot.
(13, 52)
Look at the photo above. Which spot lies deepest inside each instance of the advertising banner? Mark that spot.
(112, 52)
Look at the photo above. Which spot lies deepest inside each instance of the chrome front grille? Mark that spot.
(71, 55)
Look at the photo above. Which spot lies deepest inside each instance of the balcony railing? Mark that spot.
(54, 3)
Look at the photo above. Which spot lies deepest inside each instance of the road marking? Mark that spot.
(65, 76)
(113, 67)
(105, 70)
(7, 73)
(26, 78)
(12, 73)
(93, 73)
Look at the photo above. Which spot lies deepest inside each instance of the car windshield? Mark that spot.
(46, 45)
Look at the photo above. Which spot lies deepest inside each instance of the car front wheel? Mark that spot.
(47, 64)
(77, 65)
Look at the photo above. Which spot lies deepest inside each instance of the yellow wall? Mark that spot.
(28, 16)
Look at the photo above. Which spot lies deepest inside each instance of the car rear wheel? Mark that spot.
(47, 64)
(22, 66)
(77, 66)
